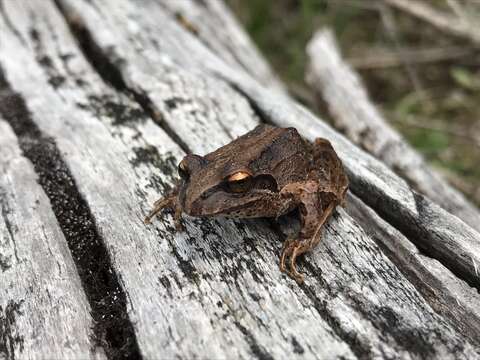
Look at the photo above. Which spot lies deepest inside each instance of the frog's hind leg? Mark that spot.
(168, 202)
(306, 245)
(313, 216)
(287, 249)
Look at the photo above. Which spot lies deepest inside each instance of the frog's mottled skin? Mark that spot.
(285, 172)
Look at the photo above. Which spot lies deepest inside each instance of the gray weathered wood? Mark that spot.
(447, 294)
(42, 304)
(212, 22)
(124, 51)
(195, 294)
(452, 296)
(355, 115)
(430, 227)
(214, 291)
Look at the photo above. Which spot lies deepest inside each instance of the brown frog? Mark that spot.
(267, 172)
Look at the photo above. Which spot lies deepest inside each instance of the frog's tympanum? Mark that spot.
(267, 172)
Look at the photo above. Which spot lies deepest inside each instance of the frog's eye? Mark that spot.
(239, 182)
(183, 170)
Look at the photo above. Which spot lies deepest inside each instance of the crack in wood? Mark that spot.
(4, 260)
(54, 77)
(9, 23)
(258, 351)
(356, 346)
(113, 329)
(110, 72)
(360, 349)
(9, 338)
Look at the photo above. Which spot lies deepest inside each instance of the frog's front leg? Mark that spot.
(313, 214)
(168, 202)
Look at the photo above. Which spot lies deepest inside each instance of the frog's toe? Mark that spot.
(291, 249)
(159, 205)
(286, 252)
(297, 250)
(179, 227)
(298, 277)
(150, 216)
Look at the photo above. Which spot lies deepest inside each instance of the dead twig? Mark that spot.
(449, 24)
(390, 25)
(415, 122)
(384, 59)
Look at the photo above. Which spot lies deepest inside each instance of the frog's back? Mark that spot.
(279, 152)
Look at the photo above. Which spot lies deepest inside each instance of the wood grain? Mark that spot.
(42, 304)
(224, 36)
(121, 108)
(432, 229)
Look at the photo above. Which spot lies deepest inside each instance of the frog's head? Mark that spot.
(241, 178)
(220, 187)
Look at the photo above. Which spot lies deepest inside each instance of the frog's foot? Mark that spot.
(291, 249)
(177, 218)
(169, 202)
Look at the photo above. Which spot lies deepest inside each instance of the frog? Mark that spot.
(266, 173)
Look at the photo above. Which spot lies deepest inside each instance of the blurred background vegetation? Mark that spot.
(426, 82)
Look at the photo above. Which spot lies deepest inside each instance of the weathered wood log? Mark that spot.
(223, 35)
(42, 305)
(355, 115)
(426, 224)
(438, 285)
(119, 110)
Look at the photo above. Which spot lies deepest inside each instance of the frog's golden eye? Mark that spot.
(239, 182)
(183, 169)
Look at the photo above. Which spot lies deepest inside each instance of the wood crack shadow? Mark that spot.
(112, 327)
(111, 74)
(9, 337)
(4, 261)
(358, 348)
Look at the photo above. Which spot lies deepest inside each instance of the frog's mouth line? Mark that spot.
(220, 199)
